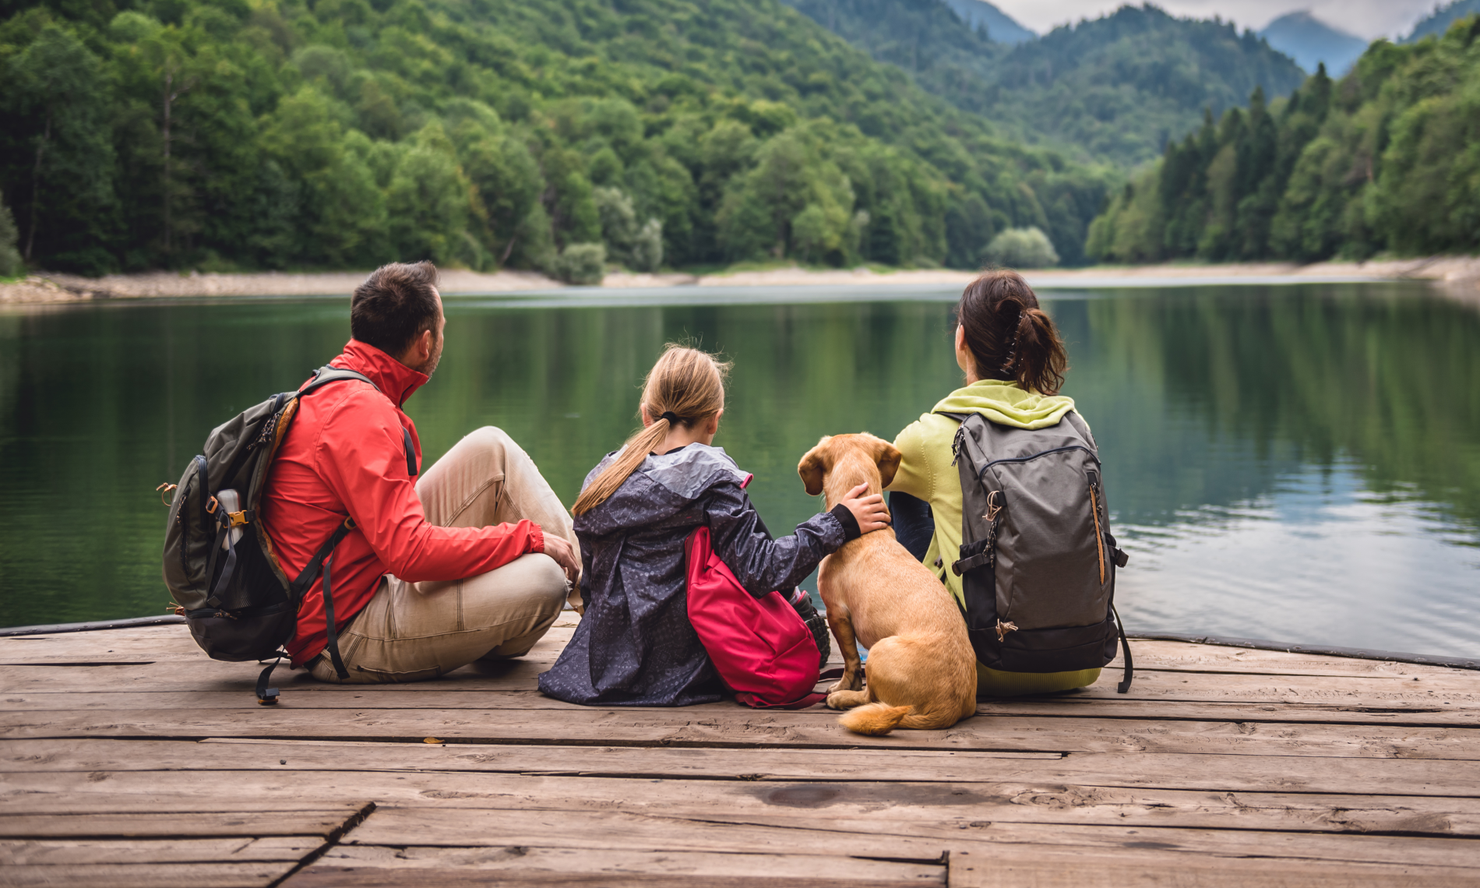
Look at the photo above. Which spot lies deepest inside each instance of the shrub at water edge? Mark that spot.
(1021, 248)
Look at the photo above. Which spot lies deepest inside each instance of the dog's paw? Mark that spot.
(846, 699)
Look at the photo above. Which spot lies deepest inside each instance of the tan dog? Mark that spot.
(921, 668)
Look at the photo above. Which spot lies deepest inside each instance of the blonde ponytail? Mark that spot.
(686, 386)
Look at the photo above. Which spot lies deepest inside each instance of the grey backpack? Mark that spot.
(218, 560)
(1037, 558)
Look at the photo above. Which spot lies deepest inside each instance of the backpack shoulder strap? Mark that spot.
(325, 375)
(1077, 422)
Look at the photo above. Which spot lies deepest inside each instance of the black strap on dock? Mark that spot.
(265, 695)
(333, 645)
(1125, 648)
(306, 579)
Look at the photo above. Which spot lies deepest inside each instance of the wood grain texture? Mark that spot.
(737, 727)
(145, 875)
(501, 862)
(1218, 773)
(1039, 867)
(890, 804)
(134, 817)
(129, 851)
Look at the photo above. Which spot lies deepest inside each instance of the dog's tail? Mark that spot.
(874, 719)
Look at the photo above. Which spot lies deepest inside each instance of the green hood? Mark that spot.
(1005, 403)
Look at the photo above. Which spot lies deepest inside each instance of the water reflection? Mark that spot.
(1300, 463)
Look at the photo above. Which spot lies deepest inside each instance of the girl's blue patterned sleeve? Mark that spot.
(763, 564)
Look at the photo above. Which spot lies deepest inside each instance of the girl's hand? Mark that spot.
(868, 509)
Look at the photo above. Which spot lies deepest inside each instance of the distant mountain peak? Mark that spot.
(1310, 41)
(1001, 27)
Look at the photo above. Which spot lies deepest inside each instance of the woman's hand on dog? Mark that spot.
(868, 509)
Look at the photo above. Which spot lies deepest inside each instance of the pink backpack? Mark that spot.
(762, 650)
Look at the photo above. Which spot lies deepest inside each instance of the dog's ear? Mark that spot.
(887, 456)
(811, 468)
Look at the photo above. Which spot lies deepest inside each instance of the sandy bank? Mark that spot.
(1459, 273)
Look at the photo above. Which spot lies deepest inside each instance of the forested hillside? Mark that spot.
(222, 134)
(1114, 88)
(1438, 21)
(1386, 159)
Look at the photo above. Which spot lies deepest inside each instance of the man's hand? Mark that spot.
(868, 509)
(559, 548)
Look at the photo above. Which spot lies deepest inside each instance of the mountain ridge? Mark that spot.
(1115, 88)
(1311, 42)
(1001, 27)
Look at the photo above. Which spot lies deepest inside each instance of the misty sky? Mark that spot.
(1368, 19)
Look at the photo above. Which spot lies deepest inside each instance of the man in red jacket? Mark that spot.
(468, 559)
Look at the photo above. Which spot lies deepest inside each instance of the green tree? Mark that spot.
(55, 108)
(1021, 248)
(639, 246)
(789, 183)
(428, 201)
(341, 211)
(10, 257)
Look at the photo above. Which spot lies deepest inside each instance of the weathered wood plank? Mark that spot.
(819, 833)
(76, 689)
(1217, 773)
(374, 877)
(421, 865)
(96, 851)
(18, 709)
(174, 641)
(139, 820)
(735, 726)
(1038, 867)
(146, 875)
(886, 802)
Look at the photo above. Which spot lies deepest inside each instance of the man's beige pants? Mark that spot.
(416, 631)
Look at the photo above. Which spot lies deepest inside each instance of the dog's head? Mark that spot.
(841, 462)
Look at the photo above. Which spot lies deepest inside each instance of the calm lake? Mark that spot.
(1299, 463)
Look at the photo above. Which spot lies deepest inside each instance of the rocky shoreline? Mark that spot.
(1460, 275)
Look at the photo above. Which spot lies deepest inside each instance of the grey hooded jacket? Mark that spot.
(635, 646)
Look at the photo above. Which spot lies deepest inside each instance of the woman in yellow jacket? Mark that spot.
(1014, 363)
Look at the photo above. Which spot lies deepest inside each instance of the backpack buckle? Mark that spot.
(237, 519)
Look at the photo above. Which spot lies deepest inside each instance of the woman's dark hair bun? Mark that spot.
(1009, 336)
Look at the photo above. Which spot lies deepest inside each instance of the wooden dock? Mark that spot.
(128, 758)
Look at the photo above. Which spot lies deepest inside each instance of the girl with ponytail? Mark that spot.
(1014, 363)
(634, 644)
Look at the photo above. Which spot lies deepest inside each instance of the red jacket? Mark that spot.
(345, 454)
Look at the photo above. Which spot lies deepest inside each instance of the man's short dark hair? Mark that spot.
(395, 304)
